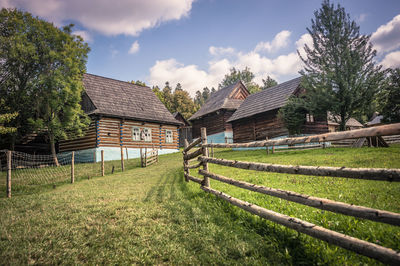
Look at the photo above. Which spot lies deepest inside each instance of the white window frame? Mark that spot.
(147, 135)
(170, 138)
(310, 118)
(136, 135)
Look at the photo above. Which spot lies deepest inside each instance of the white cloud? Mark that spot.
(193, 78)
(387, 37)
(220, 50)
(134, 48)
(280, 41)
(128, 17)
(391, 60)
(84, 34)
(305, 39)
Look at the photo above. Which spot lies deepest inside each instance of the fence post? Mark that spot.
(94, 157)
(102, 162)
(185, 162)
(9, 165)
(206, 181)
(145, 157)
(126, 150)
(212, 150)
(273, 148)
(72, 167)
(141, 157)
(122, 159)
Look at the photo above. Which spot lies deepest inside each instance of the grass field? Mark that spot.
(151, 216)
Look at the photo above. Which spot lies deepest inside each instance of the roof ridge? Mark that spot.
(116, 80)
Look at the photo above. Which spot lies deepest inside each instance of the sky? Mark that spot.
(195, 43)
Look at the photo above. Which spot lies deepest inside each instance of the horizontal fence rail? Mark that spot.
(362, 247)
(386, 130)
(320, 203)
(356, 173)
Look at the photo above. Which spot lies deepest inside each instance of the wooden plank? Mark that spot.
(194, 179)
(193, 154)
(382, 174)
(195, 166)
(9, 167)
(385, 130)
(191, 145)
(362, 247)
(320, 203)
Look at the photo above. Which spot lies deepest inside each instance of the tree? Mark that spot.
(389, 97)
(138, 82)
(245, 75)
(202, 96)
(178, 87)
(41, 75)
(268, 83)
(293, 114)
(183, 104)
(4, 119)
(339, 74)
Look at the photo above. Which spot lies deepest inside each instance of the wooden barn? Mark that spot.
(184, 130)
(123, 115)
(257, 117)
(351, 124)
(216, 111)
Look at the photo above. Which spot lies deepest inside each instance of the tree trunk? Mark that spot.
(53, 149)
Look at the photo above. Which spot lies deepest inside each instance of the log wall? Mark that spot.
(214, 123)
(114, 132)
(268, 125)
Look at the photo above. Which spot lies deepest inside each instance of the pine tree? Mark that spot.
(389, 97)
(268, 83)
(339, 74)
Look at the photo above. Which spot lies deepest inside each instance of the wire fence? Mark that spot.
(31, 173)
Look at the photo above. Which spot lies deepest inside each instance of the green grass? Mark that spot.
(151, 216)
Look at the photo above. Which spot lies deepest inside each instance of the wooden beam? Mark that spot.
(206, 182)
(194, 179)
(193, 154)
(320, 203)
(191, 145)
(381, 174)
(385, 130)
(385, 255)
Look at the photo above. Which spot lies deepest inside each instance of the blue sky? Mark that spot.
(196, 42)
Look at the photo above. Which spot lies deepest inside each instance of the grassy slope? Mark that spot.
(151, 216)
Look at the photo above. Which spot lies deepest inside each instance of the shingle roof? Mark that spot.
(266, 100)
(376, 121)
(126, 100)
(219, 100)
(352, 122)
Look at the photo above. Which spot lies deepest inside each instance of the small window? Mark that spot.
(309, 118)
(135, 133)
(146, 134)
(168, 136)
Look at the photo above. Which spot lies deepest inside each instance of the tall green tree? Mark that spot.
(202, 96)
(339, 74)
(4, 119)
(268, 83)
(389, 97)
(41, 75)
(245, 75)
(293, 114)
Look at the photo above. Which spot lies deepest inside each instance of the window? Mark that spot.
(309, 118)
(146, 134)
(168, 136)
(135, 133)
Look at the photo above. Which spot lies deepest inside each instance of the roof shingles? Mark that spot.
(266, 100)
(123, 99)
(219, 100)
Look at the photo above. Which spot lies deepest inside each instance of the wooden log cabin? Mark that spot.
(123, 115)
(257, 117)
(184, 130)
(216, 111)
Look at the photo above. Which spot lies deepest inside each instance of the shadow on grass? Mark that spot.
(226, 228)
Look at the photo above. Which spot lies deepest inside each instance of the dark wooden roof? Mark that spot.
(117, 98)
(221, 99)
(266, 100)
(178, 116)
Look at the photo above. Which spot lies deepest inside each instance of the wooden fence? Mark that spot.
(148, 157)
(362, 247)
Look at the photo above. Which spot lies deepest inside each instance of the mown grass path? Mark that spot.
(151, 216)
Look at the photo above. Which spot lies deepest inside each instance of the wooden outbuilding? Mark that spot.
(216, 111)
(184, 130)
(257, 117)
(123, 115)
